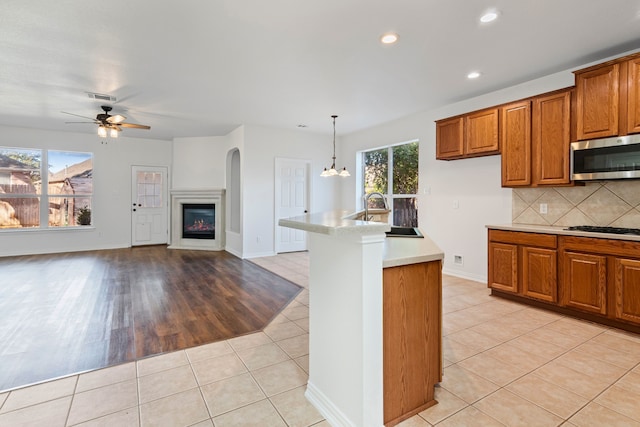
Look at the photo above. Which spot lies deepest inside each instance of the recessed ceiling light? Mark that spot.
(489, 16)
(389, 38)
(473, 75)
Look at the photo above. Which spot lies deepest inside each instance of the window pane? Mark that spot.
(376, 165)
(405, 169)
(69, 211)
(405, 212)
(375, 202)
(20, 171)
(70, 172)
(19, 212)
(149, 189)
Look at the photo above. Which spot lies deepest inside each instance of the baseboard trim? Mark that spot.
(456, 273)
(327, 409)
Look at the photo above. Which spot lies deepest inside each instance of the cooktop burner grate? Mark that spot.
(597, 229)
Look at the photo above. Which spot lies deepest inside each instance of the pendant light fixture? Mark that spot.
(332, 170)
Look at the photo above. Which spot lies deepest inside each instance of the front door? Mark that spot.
(149, 225)
(292, 199)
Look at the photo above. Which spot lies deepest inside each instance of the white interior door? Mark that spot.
(292, 199)
(149, 211)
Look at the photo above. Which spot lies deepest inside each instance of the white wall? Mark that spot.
(261, 147)
(111, 209)
(199, 163)
(473, 183)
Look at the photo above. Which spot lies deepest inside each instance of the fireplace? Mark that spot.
(198, 221)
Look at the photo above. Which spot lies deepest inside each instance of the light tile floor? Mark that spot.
(506, 364)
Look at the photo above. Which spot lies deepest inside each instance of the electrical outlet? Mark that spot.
(458, 260)
(456, 204)
(543, 208)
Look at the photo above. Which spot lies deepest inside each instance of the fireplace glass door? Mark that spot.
(198, 221)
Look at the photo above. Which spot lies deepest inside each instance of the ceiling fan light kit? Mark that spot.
(332, 170)
(110, 125)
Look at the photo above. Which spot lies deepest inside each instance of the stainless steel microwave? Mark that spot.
(607, 158)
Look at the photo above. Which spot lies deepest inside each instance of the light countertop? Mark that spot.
(397, 250)
(550, 229)
(406, 250)
(333, 223)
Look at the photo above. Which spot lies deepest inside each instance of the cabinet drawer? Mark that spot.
(601, 246)
(521, 238)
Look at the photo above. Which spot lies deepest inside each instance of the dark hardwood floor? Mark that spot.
(66, 313)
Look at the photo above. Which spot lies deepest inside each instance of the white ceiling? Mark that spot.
(204, 67)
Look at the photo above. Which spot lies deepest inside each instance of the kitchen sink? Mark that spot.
(404, 232)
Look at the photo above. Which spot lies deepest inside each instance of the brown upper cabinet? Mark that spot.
(450, 138)
(515, 135)
(470, 135)
(535, 136)
(608, 98)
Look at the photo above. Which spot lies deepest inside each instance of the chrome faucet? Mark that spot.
(366, 203)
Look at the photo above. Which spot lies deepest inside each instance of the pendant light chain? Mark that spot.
(333, 164)
(332, 171)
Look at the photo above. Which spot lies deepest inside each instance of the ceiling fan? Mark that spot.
(107, 122)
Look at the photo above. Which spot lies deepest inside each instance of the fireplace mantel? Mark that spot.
(188, 196)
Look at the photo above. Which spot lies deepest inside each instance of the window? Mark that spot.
(393, 171)
(29, 198)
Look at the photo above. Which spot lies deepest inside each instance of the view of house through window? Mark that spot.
(393, 171)
(45, 188)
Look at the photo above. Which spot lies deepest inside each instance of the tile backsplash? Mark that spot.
(606, 203)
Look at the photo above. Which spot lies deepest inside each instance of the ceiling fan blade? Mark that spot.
(133, 126)
(116, 119)
(78, 115)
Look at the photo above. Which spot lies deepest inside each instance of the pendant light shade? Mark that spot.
(332, 170)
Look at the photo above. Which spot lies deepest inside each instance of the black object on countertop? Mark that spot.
(597, 229)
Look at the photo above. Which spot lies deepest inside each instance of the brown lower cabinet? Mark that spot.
(412, 338)
(584, 284)
(627, 289)
(524, 264)
(596, 279)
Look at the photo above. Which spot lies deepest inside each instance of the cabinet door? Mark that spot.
(539, 272)
(627, 289)
(515, 140)
(597, 95)
(633, 96)
(584, 282)
(481, 133)
(503, 267)
(449, 138)
(551, 137)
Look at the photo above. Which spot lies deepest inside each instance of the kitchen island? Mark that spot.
(374, 320)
